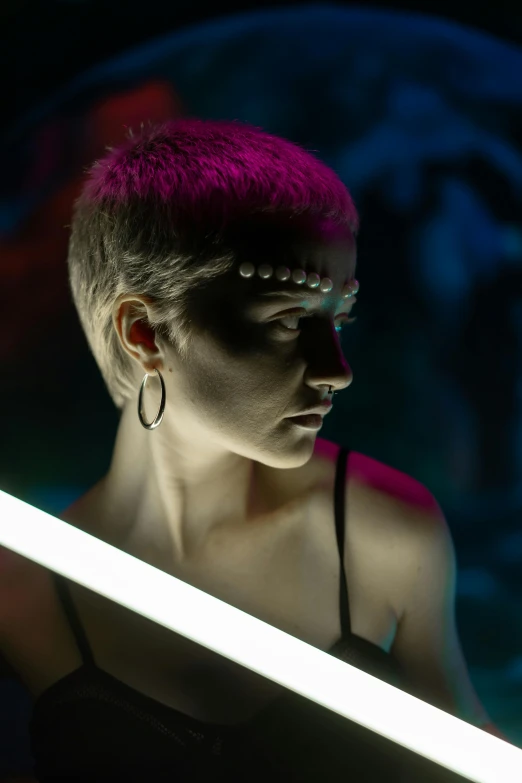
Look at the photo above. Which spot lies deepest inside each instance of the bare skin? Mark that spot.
(283, 569)
(229, 495)
(226, 494)
(225, 445)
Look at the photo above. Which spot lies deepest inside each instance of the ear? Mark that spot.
(130, 318)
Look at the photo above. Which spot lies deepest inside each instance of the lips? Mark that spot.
(322, 409)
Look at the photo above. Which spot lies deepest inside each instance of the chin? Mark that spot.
(287, 454)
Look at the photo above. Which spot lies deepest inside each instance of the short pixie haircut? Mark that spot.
(152, 217)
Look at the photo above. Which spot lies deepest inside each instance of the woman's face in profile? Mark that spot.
(258, 357)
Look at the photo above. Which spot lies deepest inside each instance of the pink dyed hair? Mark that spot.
(215, 169)
(153, 215)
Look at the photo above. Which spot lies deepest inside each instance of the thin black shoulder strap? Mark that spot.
(74, 620)
(340, 522)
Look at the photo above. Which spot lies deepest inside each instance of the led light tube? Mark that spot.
(250, 642)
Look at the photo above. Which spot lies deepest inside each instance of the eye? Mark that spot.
(345, 322)
(290, 324)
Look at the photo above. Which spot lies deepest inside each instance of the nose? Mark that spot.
(338, 378)
(341, 380)
(326, 362)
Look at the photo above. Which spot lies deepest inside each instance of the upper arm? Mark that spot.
(427, 643)
(16, 576)
(8, 575)
(5, 580)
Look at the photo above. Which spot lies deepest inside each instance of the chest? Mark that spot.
(287, 576)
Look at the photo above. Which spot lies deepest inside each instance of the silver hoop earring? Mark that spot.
(161, 411)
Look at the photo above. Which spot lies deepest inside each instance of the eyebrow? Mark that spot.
(300, 295)
(292, 294)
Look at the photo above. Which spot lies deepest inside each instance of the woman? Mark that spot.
(212, 266)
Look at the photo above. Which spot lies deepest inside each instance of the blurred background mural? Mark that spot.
(421, 115)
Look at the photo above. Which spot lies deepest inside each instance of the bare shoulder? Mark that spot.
(22, 579)
(15, 569)
(393, 504)
(400, 489)
(378, 482)
(387, 513)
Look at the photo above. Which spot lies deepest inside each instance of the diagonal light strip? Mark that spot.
(250, 642)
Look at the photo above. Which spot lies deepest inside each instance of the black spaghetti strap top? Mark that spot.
(92, 724)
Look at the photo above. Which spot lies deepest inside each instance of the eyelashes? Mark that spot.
(296, 318)
(345, 322)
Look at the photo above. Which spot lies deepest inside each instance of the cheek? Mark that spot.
(240, 377)
(240, 338)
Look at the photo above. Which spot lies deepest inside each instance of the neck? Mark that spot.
(168, 489)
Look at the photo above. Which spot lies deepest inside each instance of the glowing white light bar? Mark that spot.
(250, 642)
